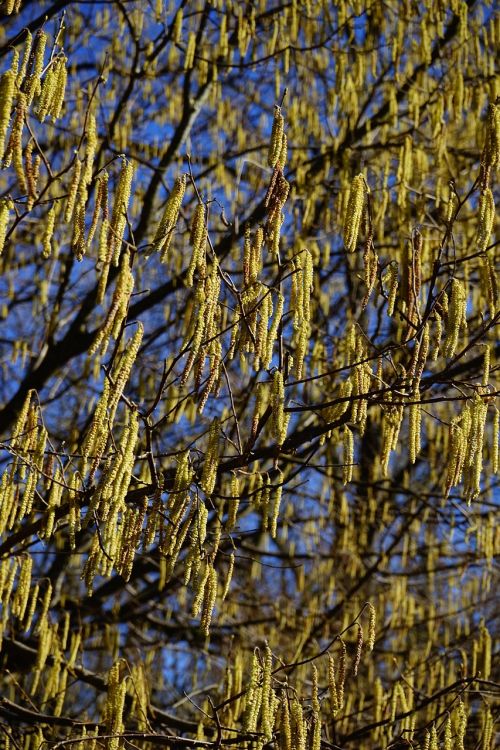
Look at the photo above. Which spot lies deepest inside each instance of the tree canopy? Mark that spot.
(248, 393)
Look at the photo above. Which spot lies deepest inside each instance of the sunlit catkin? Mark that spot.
(119, 215)
(198, 242)
(211, 462)
(348, 456)
(164, 233)
(7, 88)
(5, 209)
(372, 623)
(457, 317)
(31, 85)
(486, 219)
(48, 231)
(354, 212)
(14, 150)
(276, 143)
(279, 418)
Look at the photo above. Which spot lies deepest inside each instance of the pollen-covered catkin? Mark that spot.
(486, 219)
(279, 418)
(457, 317)
(165, 231)
(354, 212)
(211, 463)
(7, 89)
(198, 242)
(372, 623)
(348, 457)
(5, 209)
(276, 143)
(119, 215)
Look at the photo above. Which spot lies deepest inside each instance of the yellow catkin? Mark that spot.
(57, 100)
(115, 703)
(164, 233)
(315, 739)
(5, 209)
(276, 143)
(341, 674)
(348, 457)
(14, 150)
(298, 728)
(198, 242)
(486, 219)
(229, 576)
(279, 418)
(7, 89)
(372, 624)
(415, 417)
(354, 212)
(118, 220)
(190, 51)
(358, 652)
(32, 83)
(457, 317)
(495, 442)
(266, 711)
(332, 685)
(211, 462)
(48, 231)
(72, 190)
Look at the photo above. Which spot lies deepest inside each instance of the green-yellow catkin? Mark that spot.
(14, 150)
(234, 503)
(332, 685)
(47, 91)
(115, 703)
(267, 694)
(229, 576)
(348, 456)
(358, 652)
(391, 277)
(495, 442)
(58, 96)
(198, 243)
(31, 85)
(30, 610)
(73, 190)
(298, 728)
(341, 673)
(448, 736)
(276, 143)
(457, 317)
(164, 233)
(48, 231)
(190, 51)
(285, 735)
(273, 332)
(486, 219)
(490, 156)
(5, 209)
(372, 624)
(354, 212)
(279, 418)
(119, 215)
(414, 428)
(315, 737)
(21, 598)
(211, 462)
(487, 729)
(7, 89)
(118, 309)
(199, 589)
